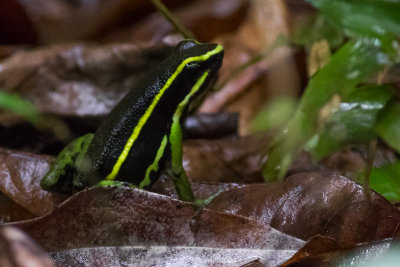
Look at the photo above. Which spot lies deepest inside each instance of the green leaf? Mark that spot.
(372, 18)
(386, 181)
(19, 106)
(350, 65)
(353, 122)
(378, 19)
(274, 114)
(388, 124)
(315, 28)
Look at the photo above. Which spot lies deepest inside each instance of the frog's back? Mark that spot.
(133, 135)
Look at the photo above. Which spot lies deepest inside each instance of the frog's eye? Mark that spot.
(185, 44)
(194, 65)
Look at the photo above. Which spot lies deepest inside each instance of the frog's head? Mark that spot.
(199, 58)
(198, 63)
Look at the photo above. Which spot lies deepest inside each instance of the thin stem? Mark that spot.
(174, 22)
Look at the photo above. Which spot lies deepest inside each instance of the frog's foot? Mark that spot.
(204, 202)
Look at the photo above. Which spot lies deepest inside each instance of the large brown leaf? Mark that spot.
(308, 204)
(122, 216)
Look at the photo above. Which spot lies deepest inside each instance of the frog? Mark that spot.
(144, 130)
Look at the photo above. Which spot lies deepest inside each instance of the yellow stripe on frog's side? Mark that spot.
(154, 166)
(142, 121)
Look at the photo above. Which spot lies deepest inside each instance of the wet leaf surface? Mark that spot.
(320, 250)
(20, 174)
(340, 129)
(308, 204)
(124, 216)
(324, 251)
(18, 250)
(201, 190)
(170, 256)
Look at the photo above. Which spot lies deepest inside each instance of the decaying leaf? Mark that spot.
(122, 216)
(309, 204)
(78, 79)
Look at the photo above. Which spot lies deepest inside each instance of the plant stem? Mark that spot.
(174, 22)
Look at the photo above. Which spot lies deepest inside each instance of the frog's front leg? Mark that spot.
(181, 181)
(63, 170)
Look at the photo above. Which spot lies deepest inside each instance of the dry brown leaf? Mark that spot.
(78, 79)
(309, 204)
(122, 216)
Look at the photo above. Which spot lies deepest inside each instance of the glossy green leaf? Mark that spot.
(386, 181)
(19, 106)
(353, 122)
(377, 19)
(373, 18)
(350, 65)
(388, 124)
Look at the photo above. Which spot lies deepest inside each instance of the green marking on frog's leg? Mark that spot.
(154, 166)
(82, 162)
(181, 181)
(142, 121)
(62, 171)
(115, 183)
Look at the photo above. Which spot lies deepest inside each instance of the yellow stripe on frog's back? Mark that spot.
(142, 121)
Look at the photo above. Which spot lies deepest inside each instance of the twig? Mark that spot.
(174, 22)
